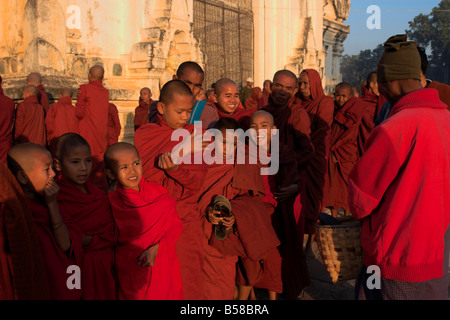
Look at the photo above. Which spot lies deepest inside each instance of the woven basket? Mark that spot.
(340, 248)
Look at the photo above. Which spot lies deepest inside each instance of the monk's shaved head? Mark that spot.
(344, 86)
(188, 65)
(34, 78)
(265, 114)
(145, 89)
(110, 154)
(284, 73)
(173, 87)
(220, 84)
(22, 157)
(68, 141)
(371, 78)
(66, 92)
(97, 72)
(30, 90)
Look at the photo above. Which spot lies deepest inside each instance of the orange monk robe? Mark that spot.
(443, 90)
(145, 218)
(91, 214)
(56, 261)
(320, 108)
(43, 98)
(22, 273)
(183, 185)
(252, 103)
(369, 117)
(92, 111)
(141, 113)
(253, 237)
(29, 125)
(114, 126)
(242, 116)
(343, 152)
(60, 119)
(7, 108)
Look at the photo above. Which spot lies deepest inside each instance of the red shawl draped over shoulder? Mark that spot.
(6, 124)
(144, 219)
(252, 103)
(22, 272)
(141, 113)
(183, 185)
(343, 152)
(30, 122)
(55, 260)
(320, 108)
(43, 98)
(91, 214)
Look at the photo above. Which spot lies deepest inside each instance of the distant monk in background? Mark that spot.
(141, 111)
(35, 79)
(267, 89)
(92, 109)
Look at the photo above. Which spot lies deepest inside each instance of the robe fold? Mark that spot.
(55, 260)
(443, 90)
(369, 117)
(8, 108)
(114, 126)
(22, 272)
(29, 125)
(183, 185)
(141, 113)
(44, 101)
(253, 237)
(320, 108)
(92, 110)
(91, 214)
(252, 103)
(343, 152)
(60, 119)
(145, 218)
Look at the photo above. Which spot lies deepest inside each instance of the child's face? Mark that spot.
(263, 126)
(228, 98)
(76, 165)
(128, 171)
(178, 112)
(41, 173)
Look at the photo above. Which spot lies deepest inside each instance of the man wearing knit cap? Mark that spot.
(400, 188)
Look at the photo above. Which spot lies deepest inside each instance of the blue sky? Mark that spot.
(395, 15)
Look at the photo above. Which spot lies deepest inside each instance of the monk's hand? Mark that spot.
(286, 192)
(147, 258)
(214, 217)
(51, 191)
(229, 222)
(165, 162)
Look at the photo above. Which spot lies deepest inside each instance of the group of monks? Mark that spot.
(117, 217)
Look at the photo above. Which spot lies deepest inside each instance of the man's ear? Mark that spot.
(215, 98)
(160, 107)
(57, 164)
(110, 174)
(22, 178)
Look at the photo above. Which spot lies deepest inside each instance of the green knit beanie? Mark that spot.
(400, 60)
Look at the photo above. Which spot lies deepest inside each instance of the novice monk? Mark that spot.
(182, 181)
(88, 208)
(251, 238)
(92, 111)
(6, 123)
(227, 102)
(141, 111)
(59, 242)
(114, 126)
(35, 79)
(61, 118)
(29, 125)
(343, 147)
(149, 227)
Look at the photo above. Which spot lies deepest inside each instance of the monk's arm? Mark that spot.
(80, 106)
(59, 229)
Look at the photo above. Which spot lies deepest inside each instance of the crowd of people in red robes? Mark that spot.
(93, 218)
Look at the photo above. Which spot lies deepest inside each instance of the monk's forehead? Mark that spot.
(344, 89)
(33, 159)
(304, 77)
(145, 90)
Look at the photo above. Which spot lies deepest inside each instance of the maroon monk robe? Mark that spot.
(183, 185)
(22, 273)
(145, 218)
(114, 126)
(443, 90)
(92, 111)
(369, 117)
(43, 98)
(55, 260)
(29, 125)
(252, 103)
(7, 108)
(60, 119)
(343, 152)
(242, 116)
(264, 100)
(141, 113)
(91, 214)
(253, 237)
(320, 108)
